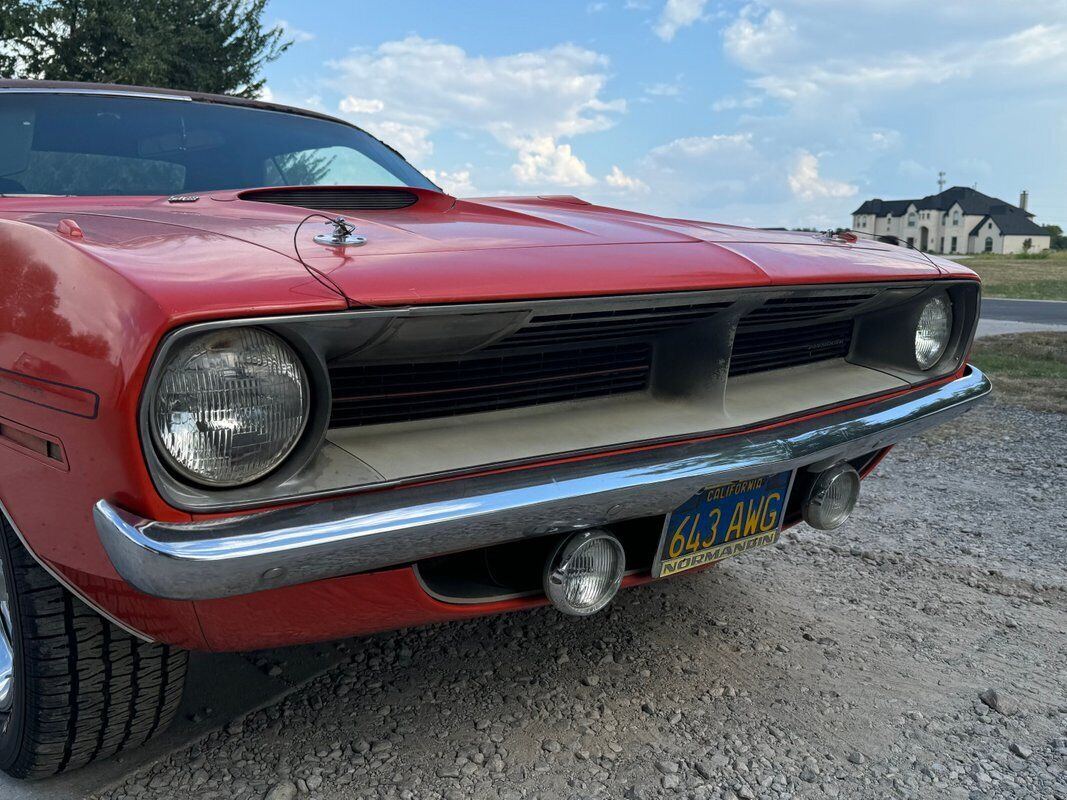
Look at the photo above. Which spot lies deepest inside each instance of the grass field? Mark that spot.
(1026, 368)
(1029, 278)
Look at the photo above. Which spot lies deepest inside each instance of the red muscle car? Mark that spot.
(262, 383)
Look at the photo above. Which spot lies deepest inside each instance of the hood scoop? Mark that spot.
(336, 198)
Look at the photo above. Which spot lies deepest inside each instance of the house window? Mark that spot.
(989, 244)
(990, 225)
(955, 219)
(911, 241)
(941, 248)
(911, 220)
(953, 245)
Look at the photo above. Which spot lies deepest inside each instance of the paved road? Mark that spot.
(1042, 312)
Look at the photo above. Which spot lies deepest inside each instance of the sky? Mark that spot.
(774, 113)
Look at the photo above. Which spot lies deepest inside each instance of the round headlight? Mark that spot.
(229, 406)
(932, 331)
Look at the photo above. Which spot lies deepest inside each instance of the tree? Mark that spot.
(218, 46)
(1058, 240)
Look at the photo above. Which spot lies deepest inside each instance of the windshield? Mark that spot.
(89, 144)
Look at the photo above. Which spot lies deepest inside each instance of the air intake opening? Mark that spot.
(335, 198)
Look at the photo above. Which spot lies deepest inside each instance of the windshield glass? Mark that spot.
(71, 144)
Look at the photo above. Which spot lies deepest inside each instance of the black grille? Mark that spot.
(369, 394)
(547, 330)
(327, 199)
(787, 310)
(762, 349)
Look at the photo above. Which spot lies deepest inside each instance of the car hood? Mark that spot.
(446, 250)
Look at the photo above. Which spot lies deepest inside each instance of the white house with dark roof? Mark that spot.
(957, 220)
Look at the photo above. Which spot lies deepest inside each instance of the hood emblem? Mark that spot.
(183, 198)
(342, 235)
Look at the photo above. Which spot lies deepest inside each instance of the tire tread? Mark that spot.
(90, 689)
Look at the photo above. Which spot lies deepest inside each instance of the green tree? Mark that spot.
(218, 46)
(1059, 241)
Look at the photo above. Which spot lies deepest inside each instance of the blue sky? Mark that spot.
(782, 112)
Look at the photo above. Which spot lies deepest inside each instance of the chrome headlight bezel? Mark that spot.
(226, 345)
(183, 489)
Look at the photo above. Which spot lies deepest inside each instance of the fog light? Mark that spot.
(832, 497)
(584, 572)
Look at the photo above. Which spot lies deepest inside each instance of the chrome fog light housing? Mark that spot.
(832, 497)
(932, 331)
(584, 572)
(229, 406)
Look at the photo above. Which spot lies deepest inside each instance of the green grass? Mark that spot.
(1026, 368)
(1035, 277)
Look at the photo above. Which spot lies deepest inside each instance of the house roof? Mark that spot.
(880, 207)
(1011, 222)
(970, 200)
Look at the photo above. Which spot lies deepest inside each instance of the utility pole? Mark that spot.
(941, 181)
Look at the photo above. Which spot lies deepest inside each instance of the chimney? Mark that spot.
(1023, 199)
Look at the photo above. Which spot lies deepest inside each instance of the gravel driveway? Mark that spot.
(856, 663)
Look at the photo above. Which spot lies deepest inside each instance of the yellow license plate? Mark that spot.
(723, 521)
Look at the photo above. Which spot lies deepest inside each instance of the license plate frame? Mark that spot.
(711, 516)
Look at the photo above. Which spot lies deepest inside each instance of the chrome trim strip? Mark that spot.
(108, 92)
(341, 536)
(66, 584)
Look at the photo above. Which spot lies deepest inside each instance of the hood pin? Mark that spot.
(342, 235)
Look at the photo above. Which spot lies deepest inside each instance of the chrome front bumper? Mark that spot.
(373, 530)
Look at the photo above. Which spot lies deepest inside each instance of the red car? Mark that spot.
(262, 383)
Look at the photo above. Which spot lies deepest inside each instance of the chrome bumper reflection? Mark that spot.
(345, 535)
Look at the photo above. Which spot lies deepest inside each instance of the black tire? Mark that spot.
(83, 688)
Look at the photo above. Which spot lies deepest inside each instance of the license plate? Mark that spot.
(722, 521)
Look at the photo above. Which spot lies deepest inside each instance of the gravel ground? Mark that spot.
(920, 651)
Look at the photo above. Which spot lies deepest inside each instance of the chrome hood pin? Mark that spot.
(342, 235)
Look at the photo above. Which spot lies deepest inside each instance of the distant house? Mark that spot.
(957, 220)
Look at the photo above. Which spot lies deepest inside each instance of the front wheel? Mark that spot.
(73, 686)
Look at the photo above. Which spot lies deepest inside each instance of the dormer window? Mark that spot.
(911, 220)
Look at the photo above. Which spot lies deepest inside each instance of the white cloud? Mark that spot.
(805, 182)
(411, 140)
(526, 101)
(753, 40)
(678, 14)
(457, 183)
(856, 90)
(360, 105)
(617, 179)
(729, 103)
(698, 172)
(701, 146)
(798, 58)
(885, 139)
(664, 89)
(296, 34)
(542, 161)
